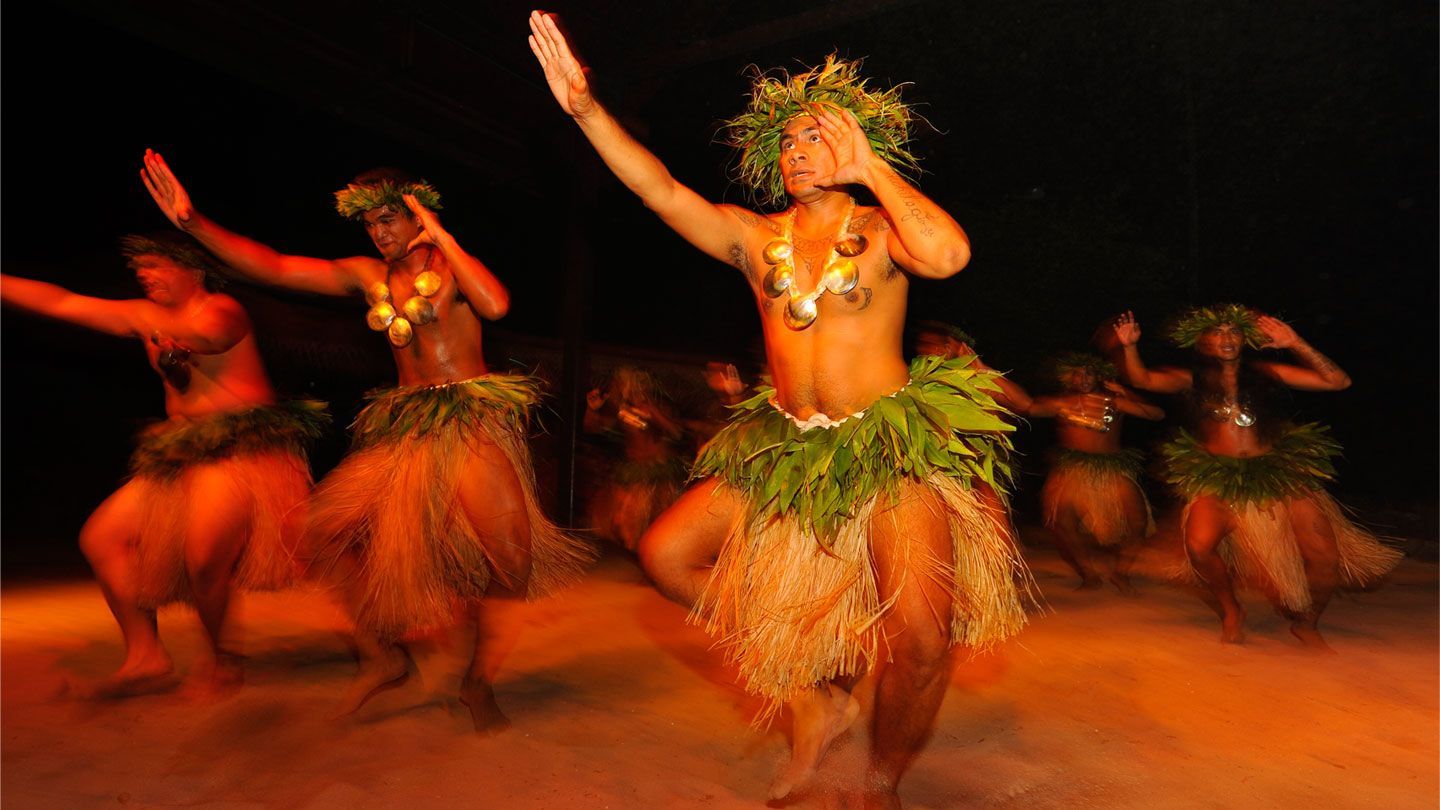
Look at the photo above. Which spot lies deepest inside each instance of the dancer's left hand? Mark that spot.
(430, 231)
(1278, 334)
(840, 130)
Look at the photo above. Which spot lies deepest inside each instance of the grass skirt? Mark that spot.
(388, 524)
(260, 453)
(634, 496)
(794, 598)
(1263, 551)
(1095, 486)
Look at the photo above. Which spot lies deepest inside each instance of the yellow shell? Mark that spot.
(777, 251)
(380, 316)
(800, 312)
(841, 276)
(852, 245)
(400, 333)
(419, 310)
(428, 283)
(377, 293)
(778, 280)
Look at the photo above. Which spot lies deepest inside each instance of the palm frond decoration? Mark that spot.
(355, 199)
(777, 96)
(1299, 461)
(1084, 361)
(166, 448)
(1190, 326)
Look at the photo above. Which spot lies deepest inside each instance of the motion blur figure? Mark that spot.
(650, 471)
(435, 507)
(1093, 502)
(217, 488)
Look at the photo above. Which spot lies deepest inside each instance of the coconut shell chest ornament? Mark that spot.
(840, 275)
(418, 309)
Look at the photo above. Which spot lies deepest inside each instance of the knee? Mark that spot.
(99, 545)
(925, 656)
(656, 556)
(209, 567)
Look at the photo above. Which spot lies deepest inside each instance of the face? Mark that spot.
(391, 230)
(803, 156)
(1079, 380)
(1223, 342)
(165, 282)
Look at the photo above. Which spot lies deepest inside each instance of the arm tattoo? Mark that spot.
(1317, 361)
(913, 211)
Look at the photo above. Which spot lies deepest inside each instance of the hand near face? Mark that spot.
(1278, 334)
(840, 131)
(430, 228)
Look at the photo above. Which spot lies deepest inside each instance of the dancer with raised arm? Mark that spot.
(217, 487)
(1252, 479)
(435, 506)
(838, 526)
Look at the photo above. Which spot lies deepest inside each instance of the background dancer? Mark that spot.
(1093, 502)
(436, 503)
(1252, 479)
(213, 486)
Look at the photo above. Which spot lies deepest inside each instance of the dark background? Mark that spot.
(1104, 156)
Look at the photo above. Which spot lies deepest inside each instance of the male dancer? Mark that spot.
(436, 504)
(213, 486)
(1092, 499)
(1253, 479)
(837, 528)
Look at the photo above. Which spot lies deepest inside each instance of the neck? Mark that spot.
(821, 210)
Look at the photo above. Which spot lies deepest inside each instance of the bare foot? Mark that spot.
(1310, 636)
(479, 697)
(219, 679)
(1123, 584)
(1232, 627)
(143, 675)
(817, 719)
(376, 675)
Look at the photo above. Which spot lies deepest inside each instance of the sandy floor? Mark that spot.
(1105, 702)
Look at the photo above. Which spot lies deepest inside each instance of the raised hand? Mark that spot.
(840, 131)
(1127, 329)
(429, 224)
(563, 72)
(166, 190)
(1278, 334)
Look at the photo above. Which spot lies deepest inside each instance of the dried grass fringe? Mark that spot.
(273, 485)
(387, 527)
(791, 616)
(1097, 496)
(1263, 552)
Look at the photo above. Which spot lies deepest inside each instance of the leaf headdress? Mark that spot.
(777, 96)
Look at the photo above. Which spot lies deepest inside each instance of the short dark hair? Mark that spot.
(178, 248)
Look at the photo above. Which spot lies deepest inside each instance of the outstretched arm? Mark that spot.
(1319, 373)
(216, 327)
(718, 230)
(1133, 369)
(924, 240)
(482, 289)
(1012, 395)
(1128, 402)
(249, 258)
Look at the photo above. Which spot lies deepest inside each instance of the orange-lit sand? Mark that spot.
(1106, 702)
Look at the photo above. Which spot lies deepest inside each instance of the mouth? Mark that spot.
(802, 174)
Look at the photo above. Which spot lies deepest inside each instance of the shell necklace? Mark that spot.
(840, 276)
(417, 308)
